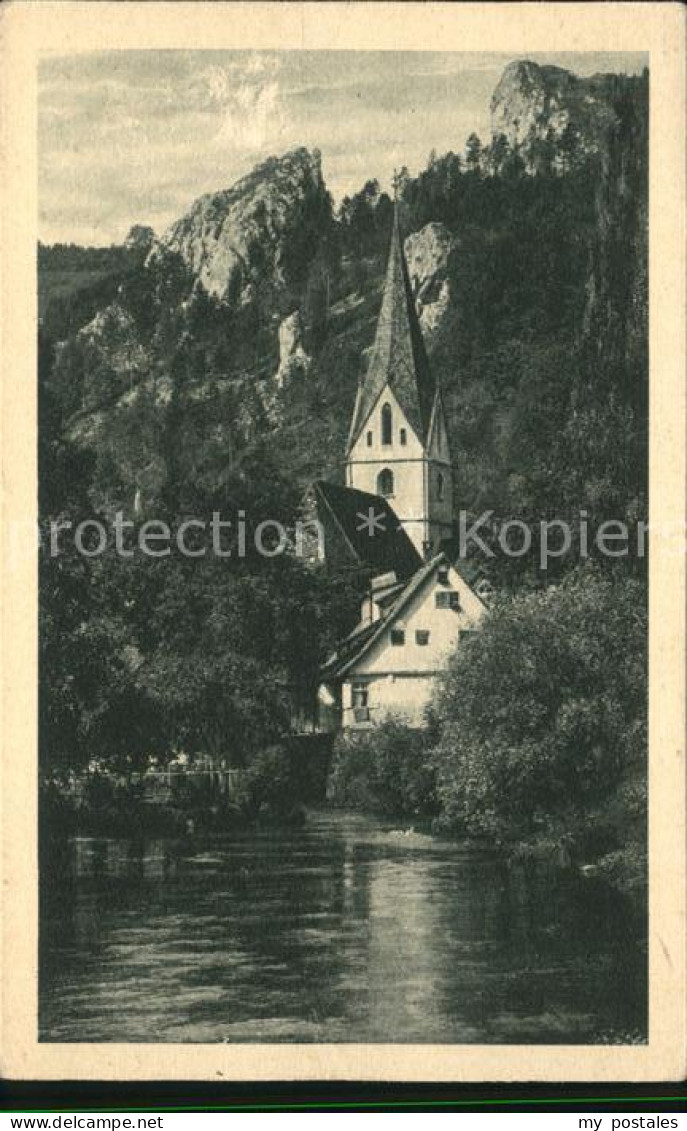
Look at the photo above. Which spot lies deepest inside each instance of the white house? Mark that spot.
(387, 667)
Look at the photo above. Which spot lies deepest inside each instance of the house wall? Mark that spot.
(400, 678)
(401, 697)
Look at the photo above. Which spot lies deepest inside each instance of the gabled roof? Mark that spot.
(348, 650)
(387, 548)
(364, 636)
(398, 355)
(352, 648)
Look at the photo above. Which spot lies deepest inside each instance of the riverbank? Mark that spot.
(399, 772)
(183, 795)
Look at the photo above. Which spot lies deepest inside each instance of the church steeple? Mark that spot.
(399, 358)
(398, 443)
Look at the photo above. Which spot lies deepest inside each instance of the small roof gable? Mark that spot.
(472, 569)
(387, 547)
(398, 356)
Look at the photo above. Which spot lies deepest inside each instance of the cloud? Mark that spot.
(253, 118)
(136, 136)
(246, 101)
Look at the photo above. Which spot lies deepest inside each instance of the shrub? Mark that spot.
(267, 784)
(383, 770)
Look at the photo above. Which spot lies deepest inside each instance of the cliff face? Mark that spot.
(239, 241)
(293, 358)
(534, 104)
(427, 254)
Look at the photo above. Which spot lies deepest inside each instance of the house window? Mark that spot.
(448, 599)
(385, 483)
(360, 702)
(422, 637)
(443, 575)
(403, 437)
(369, 439)
(387, 427)
(359, 694)
(440, 487)
(398, 636)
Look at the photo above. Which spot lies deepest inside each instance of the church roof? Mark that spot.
(387, 548)
(398, 355)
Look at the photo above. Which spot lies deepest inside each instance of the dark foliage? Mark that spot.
(384, 770)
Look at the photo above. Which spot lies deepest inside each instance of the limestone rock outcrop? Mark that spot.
(236, 242)
(533, 104)
(293, 359)
(427, 254)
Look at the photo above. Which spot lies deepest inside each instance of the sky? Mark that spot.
(129, 137)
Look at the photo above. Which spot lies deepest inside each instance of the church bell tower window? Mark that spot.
(385, 483)
(387, 427)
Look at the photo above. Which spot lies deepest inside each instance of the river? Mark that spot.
(347, 929)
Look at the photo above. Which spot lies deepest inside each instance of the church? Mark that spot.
(395, 516)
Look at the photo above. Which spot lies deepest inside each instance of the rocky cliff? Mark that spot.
(535, 104)
(427, 255)
(240, 242)
(293, 359)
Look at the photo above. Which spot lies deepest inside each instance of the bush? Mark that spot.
(267, 785)
(383, 770)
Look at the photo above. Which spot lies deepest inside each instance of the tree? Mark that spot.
(542, 716)
(473, 153)
(498, 153)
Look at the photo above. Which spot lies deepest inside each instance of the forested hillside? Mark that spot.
(215, 368)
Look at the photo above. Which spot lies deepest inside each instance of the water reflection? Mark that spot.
(343, 930)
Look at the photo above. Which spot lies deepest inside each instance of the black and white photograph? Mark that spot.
(342, 562)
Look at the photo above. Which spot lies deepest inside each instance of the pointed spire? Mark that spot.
(396, 182)
(398, 357)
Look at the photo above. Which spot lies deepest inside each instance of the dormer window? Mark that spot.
(387, 425)
(447, 599)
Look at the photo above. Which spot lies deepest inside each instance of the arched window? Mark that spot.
(440, 487)
(403, 436)
(385, 483)
(369, 439)
(386, 424)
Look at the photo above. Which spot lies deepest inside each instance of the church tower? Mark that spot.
(398, 442)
